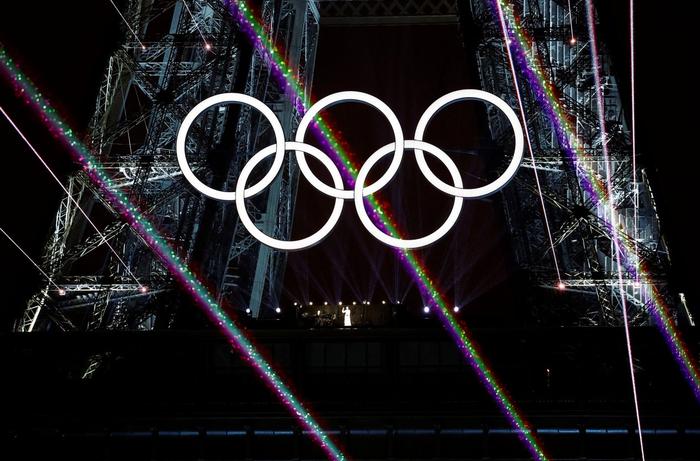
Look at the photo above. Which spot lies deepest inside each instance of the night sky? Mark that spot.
(65, 55)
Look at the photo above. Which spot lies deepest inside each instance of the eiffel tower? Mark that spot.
(178, 54)
(146, 93)
(581, 236)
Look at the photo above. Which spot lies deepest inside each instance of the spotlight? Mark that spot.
(354, 303)
(426, 309)
(340, 303)
(207, 46)
(143, 288)
(143, 47)
(311, 303)
(383, 302)
(572, 41)
(247, 310)
(561, 286)
(61, 292)
(296, 303)
(456, 309)
(325, 303)
(278, 310)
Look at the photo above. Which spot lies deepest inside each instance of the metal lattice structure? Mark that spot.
(146, 93)
(583, 242)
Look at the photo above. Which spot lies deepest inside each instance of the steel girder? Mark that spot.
(582, 237)
(143, 98)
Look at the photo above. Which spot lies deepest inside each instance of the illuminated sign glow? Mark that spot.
(357, 194)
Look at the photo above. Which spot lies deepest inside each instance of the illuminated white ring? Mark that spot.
(222, 99)
(407, 243)
(337, 98)
(467, 95)
(289, 245)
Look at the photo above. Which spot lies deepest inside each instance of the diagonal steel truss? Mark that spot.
(146, 93)
(582, 241)
(141, 102)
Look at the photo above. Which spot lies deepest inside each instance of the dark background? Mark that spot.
(65, 54)
(405, 72)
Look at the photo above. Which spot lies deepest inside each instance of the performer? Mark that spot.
(346, 321)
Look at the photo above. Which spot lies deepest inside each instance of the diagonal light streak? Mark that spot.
(590, 15)
(285, 75)
(545, 95)
(71, 198)
(29, 258)
(133, 32)
(516, 85)
(172, 261)
(207, 46)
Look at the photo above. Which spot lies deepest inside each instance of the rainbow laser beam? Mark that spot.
(546, 96)
(177, 267)
(379, 214)
(419, 274)
(600, 103)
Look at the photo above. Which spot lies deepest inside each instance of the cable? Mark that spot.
(572, 40)
(143, 47)
(504, 30)
(611, 199)
(59, 289)
(207, 46)
(70, 197)
(634, 145)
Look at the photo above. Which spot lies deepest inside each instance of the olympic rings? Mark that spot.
(289, 245)
(225, 98)
(407, 243)
(332, 100)
(466, 95)
(280, 147)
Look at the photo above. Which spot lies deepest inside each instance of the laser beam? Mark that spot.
(70, 197)
(285, 75)
(545, 95)
(133, 32)
(168, 256)
(590, 15)
(29, 258)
